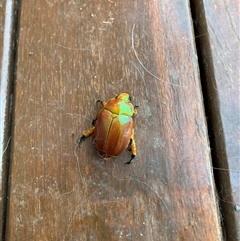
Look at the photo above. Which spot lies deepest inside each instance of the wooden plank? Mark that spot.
(219, 38)
(72, 53)
(7, 19)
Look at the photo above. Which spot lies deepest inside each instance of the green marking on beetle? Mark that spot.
(125, 109)
(123, 119)
(126, 98)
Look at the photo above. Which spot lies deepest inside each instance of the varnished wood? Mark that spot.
(69, 55)
(218, 41)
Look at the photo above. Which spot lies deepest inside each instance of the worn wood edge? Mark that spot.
(2, 16)
(7, 54)
(217, 135)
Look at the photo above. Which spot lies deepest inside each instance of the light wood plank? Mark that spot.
(72, 53)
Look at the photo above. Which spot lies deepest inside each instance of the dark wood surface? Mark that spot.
(69, 55)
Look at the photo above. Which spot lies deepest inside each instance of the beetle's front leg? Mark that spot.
(102, 102)
(94, 121)
(85, 135)
(132, 144)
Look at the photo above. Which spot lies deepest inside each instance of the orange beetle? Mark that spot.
(113, 127)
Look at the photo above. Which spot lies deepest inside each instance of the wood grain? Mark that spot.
(69, 55)
(218, 31)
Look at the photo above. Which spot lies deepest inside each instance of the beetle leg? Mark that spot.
(133, 148)
(94, 121)
(135, 109)
(129, 145)
(85, 135)
(102, 102)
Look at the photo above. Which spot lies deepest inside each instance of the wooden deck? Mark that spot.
(179, 61)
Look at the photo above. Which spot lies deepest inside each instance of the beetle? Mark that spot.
(113, 127)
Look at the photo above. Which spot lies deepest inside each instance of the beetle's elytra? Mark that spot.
(113, 127)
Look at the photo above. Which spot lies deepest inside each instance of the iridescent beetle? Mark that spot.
(113, 127)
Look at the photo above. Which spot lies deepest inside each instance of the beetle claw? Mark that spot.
(94, 121)
(131, 160)
(99, 101)
(81, 139)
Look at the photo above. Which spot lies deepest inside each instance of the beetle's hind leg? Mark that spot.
(85, 135)
(94, 121)
(133, 148)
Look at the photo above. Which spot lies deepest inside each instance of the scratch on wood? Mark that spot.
(135, 179)
(6, 145)
(78, 208)
(106, 202)
(78, 165)
(136, 55)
